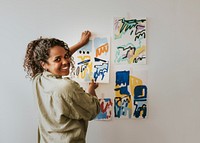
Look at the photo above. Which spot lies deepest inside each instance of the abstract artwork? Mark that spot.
(122, 100)
(130, 94)
(93, 61)
(106, 106)
(129, 42)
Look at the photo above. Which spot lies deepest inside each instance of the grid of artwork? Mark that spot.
(130, 51)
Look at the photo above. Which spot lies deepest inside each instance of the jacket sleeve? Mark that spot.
(81, 105)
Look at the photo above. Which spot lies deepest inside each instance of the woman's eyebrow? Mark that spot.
(56, 57)
(67, 53)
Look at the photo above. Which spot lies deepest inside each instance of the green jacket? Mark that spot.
(64, 109)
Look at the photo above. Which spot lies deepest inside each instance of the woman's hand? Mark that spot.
(85, 36)
(92, 86)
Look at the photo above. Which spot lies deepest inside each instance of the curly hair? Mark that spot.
(38, 51)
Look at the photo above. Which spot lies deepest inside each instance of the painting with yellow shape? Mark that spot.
(138, 90)
(130, 94)
(83, 63)
(129, 40)
(92, 61)
(122, 100)
(85, 71)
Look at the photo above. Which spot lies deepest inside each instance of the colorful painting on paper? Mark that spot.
(101, 59)
(130, 94)
(122, 100)
(106, 109)
(93, 60)
(129, 41)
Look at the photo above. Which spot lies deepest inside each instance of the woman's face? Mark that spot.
(58, 62)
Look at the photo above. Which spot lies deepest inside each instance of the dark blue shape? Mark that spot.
(138, 91)
(122, 77)
(140, 99)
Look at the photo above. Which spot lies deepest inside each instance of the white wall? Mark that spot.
(173, 65)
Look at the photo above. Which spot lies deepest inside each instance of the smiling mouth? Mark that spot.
(65, 68)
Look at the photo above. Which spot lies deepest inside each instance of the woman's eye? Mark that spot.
(57, 60)
(67, 57)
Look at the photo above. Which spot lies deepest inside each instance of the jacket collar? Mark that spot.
(49, 74)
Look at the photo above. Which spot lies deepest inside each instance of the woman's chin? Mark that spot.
(65, 73)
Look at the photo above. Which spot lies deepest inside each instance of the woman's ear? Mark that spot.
(43, 64)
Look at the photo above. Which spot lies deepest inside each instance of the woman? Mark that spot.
(64, 107)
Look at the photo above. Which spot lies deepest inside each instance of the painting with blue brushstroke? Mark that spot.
(130, 94)
(106, 109)
(93, 60)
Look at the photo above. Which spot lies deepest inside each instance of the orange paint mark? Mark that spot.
(102, 49)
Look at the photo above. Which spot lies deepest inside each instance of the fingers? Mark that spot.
(92, 81)
(93, 85)
(87, 32)
(85, 36)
